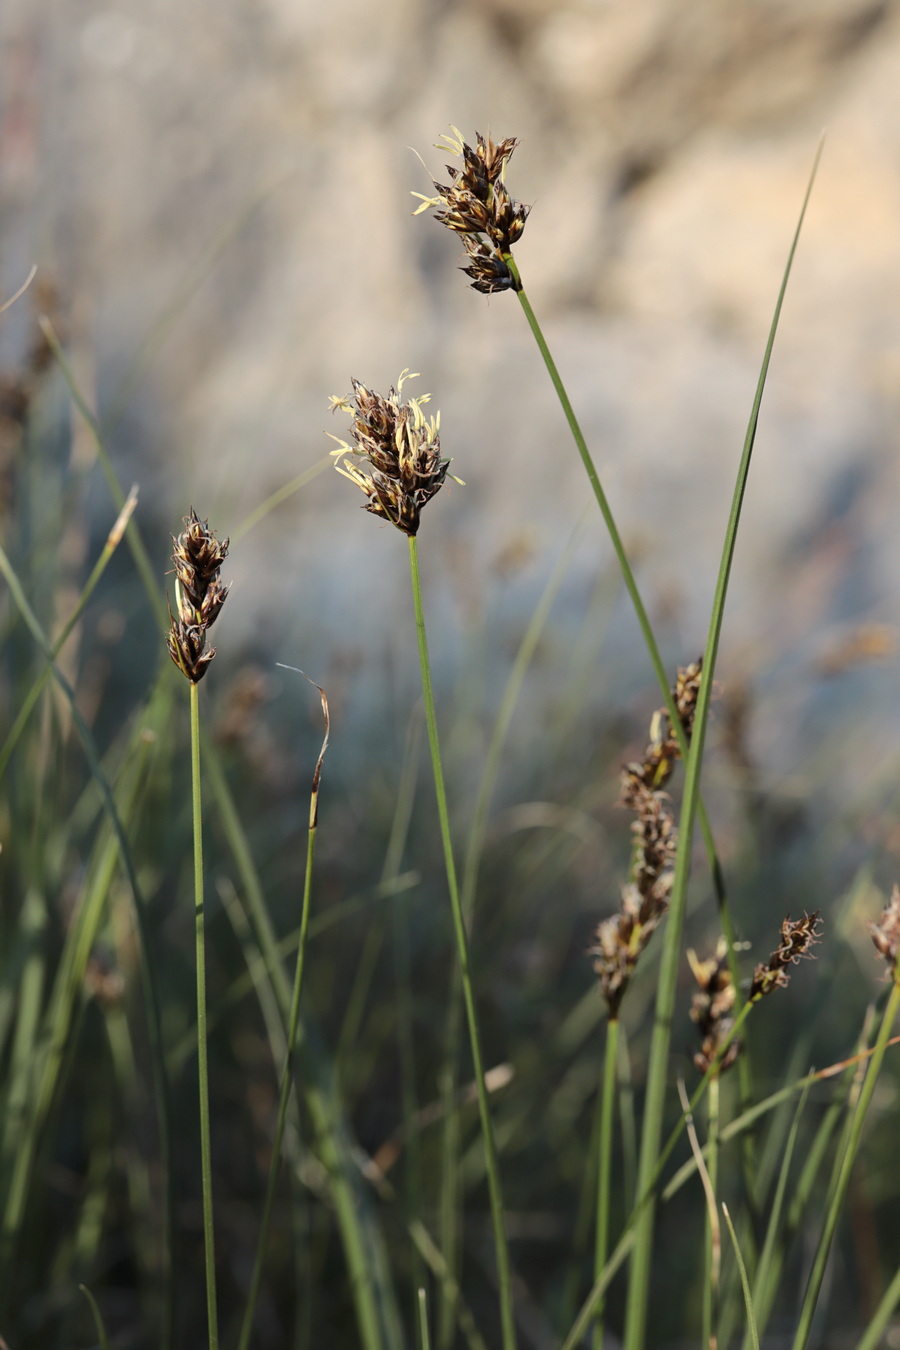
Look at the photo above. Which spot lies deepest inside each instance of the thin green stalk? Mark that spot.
(361, 1237)
(406, 792)
(280, 495)
(710, 1283)
(102, 1338)
(763, 1283)
(202, 1063)
(287, 1080)
(13, 1214)
(34, 692)
(638, 1291)
(604, 1163)
(504, 1274)
(745, 1283)
(452, 1128)
(839, 1191)
(584, 1216)
(872, 1337)
(653, 651)
(646, 1197)
(628, 576)
(424, 1338)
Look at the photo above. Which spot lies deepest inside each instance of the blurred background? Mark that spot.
(217, 198)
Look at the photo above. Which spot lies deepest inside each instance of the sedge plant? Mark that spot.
(198, 558)
(395, 458)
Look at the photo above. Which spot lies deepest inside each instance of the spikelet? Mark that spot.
(198, 557)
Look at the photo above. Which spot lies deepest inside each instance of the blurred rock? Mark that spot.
(222, 191)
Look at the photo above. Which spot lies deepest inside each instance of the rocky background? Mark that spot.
(220, 192)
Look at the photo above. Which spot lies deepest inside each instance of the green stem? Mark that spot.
(604, 1163)
(504, 1274)
(839, 1192)
(202, 1064)
(657, 1069)
(284, 1101)
(452, 1128)
(642, 617)
(710, 1283)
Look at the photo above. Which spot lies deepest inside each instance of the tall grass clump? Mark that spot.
(555, 1112)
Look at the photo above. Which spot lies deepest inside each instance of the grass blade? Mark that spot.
(745, 1283)
(659, 1051)
(98, 1319)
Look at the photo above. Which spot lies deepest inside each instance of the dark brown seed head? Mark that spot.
(476, 204)
(622, 938)
(797, 936)
(198, 557)
(711, 1008)
(400, 449)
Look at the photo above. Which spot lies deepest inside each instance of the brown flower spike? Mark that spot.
(198, 557)
(711, 1010)
(797, 936)
(401, 449)
(886, 933)
(622, 938)
(476, 205)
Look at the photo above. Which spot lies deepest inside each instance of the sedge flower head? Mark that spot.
(198, 557)
(394, 452)
(476, 205)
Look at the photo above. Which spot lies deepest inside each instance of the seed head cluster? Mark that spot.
(198, 557)
(645, 899)
(797, 936)
(711, 1010)
(400, 449)
(886, 933)
(476, 205)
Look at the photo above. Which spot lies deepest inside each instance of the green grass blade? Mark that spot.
(492, 1166)
(149, 985)
(604, 1163)
(98, 1319)
(763, 1284)
(112, 542)
(293, 1026)
(639, 1283)
(280, 495)
(451, 1132)
(846, 1161)
(745, 1283)
(363, 1243)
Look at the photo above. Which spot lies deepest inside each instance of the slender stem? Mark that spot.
(287, 1079)
(604, 1163)
(657, 1068)
(449, 1079)
(287, 1082)
(710, 1283)
(640, 612)
(836, 1199)
(202, 1064)
(504, 1274)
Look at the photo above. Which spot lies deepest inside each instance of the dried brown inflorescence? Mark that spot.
(477, 206)
(711, 1010)
(797, 936)
(401, 449)
(645, 899)
(886, 933)
(198, 557)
